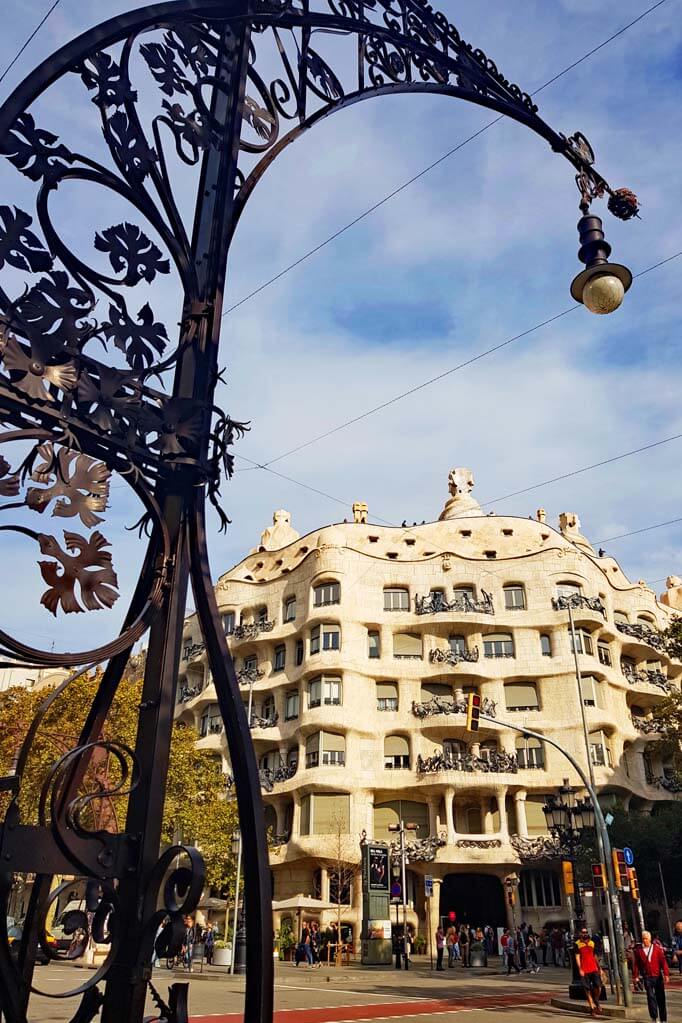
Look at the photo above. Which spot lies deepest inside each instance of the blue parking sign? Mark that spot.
(629, 856)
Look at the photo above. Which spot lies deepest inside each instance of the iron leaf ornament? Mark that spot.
(184, 106)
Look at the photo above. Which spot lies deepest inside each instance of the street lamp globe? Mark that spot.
(603, 293)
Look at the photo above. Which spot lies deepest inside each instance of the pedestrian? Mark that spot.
(556, 940)
(306, 945)
(677, 944)
(440, 945)
(450, 943)
(588, 968)
(510, 951)
(650, 963)
(315, 943)
(189, 938)
(521, 946)
(532, 951)
(464, 946)
(209, 944)
(544, 944)
(489, 939)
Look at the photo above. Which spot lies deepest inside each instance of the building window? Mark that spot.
(280, 657)
(387, 696)
(529, 753)
(396, 753)
(514, 598)
(546, 645)
(521, 696)
(325, 813)
(498, 645)
(620, 616)
(407, 645)
(539, 888)
(466, 595)
(251, 662)
(590, 691)
(324, 691)
(454, 749)
(291, 705)
(299, 652)
(583, 642)
(604, 652)
(457, 644)
(396, 600)
(487, 748)
(228, 622)
(600, 752)
(290, 609)
(268, 708)
(327, 748)
(325, 637)
(327, 593)
(373, 643)
(474, 820)
(262, 615)
(569, 589)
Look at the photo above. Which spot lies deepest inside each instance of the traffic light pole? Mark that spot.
(613, 916)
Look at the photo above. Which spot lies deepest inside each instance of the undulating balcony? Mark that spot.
(270, 776)
(453, 656)
(250, 675)
(252, 630)
(442, 705)
(494, 762)
(651, 676)
(643, 633)
(577, 601)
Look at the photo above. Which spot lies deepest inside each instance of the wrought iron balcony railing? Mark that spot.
(436, 603)
(443, 705)
(270, 776)
(250, 675)
(578, 600)
(192, 650)
(651, 676)
(644, 633)
(494, 763)
(252, 630)
(420, 850)
(265, 722)
(647, 726)
(188, 693)
(449, 656)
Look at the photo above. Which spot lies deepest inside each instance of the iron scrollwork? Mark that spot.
(94, 389)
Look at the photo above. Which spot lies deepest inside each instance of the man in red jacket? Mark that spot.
(650, 963)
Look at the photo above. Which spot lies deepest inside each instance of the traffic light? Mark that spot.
(473, 711)
(634, 883)
(620, 869)
(598, 878)
(567, 871)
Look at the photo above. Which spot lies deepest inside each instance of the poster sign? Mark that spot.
(428, 886)
(379, 929)
(378, 868)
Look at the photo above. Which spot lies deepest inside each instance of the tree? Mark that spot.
(344, 867)
(668, 717)
(196, 809)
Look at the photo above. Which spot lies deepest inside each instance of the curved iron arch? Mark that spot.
(94, 416)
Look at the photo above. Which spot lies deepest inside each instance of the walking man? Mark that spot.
(510, 952)
(588, 968)
(677, 944)
(650, 963)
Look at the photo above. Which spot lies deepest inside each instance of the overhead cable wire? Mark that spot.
(425, 170)
(644, 529)
(446, 373)
(30, 39)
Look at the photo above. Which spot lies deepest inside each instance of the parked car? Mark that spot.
(14, 936)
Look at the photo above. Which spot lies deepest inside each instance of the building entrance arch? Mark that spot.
(477, 899)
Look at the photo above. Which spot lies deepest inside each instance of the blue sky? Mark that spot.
(480, 249)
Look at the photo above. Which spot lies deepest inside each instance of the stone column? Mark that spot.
(487, 816)
(433, 917)
(432, 802)
(476, 749)
(521, 825)
(296, 819)
(324, 884)
(449, 820)
(369, 821)
(501, 794)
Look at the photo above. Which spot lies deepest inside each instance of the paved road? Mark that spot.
(350, 995)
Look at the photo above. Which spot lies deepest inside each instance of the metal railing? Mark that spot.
(644, 633)
(494, 763)
(251, 630)
(436, 603)
(450, 656)
(444, 705)
(578, 600)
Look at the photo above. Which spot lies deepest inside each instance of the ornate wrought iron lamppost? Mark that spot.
(567, 819)
(186, 115)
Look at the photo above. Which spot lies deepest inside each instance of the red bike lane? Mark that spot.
(423, 1007)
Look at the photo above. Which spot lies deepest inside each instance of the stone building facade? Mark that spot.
(357, 645)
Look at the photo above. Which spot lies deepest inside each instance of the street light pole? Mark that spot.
(613, 917)
(235, 919)
(401, 828)
(590, 767)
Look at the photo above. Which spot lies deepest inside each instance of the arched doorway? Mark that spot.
(477, 899)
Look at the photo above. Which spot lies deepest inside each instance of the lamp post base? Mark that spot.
(240, 951)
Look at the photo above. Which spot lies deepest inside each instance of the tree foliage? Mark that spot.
(196, 809)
